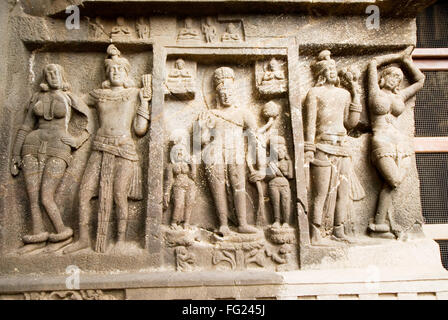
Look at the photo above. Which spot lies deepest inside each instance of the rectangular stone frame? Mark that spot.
(286, 47)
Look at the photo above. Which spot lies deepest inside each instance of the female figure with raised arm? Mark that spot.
(391, 148)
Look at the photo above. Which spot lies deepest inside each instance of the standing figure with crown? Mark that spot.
(225, 155)
(112, 171)
(328, 113)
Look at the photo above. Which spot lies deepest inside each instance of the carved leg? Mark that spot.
(237, 176)
(216, 180)
(285, 194)
(38, 237)
(53, 173)
(189, 201)
(122, 182)
(178, 206)
(33, 180)
(274, 193)
(342, 200)
(89, 185)
(320, 177)
(393, 176)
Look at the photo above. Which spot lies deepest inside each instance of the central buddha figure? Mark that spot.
(225, 155)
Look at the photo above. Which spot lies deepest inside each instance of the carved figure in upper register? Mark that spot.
(120, 31)
(180, 82)
(224, 155)
(329, 112)
(273, 80)
(43, 149)
(188, 32)
(209, 30)
(391, 148)
(113, 164)
(231, 34)
(142, 28)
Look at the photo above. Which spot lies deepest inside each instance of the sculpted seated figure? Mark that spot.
(231, 34)
(273, 80)
(188, 32)
(180, 81)
(120, 31)
(43, 149)
(113, 164)
(224, 155)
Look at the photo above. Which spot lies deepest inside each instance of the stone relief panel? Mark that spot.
(238, 195)
(59, 135)
(230, 176)
(210, 30)
(119, 30)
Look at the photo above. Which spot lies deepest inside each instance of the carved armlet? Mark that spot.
(355, 107)
(20, 138)
(309, 146)
(143, 112)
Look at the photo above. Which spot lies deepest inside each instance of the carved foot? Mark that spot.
(381, 227)
(28, 248)
(276, 224)
(247, 229)
(35, 238)
(57, 246)
(316, 237)
(79, 245)
(224, 231)
(61, 236)
(339, 234)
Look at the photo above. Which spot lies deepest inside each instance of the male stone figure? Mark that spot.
(225, 155)
(329, 112)
(113, 164)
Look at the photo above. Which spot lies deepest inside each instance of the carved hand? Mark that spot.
(166, 201)
(309, 157)
(145, 94)
(407, 53)
(16, 164)
(257, 176)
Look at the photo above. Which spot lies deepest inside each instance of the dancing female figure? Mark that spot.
(391, 148)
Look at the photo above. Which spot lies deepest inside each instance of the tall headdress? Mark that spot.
(221, 75)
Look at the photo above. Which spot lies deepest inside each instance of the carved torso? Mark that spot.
(116, 110)
(331, 104)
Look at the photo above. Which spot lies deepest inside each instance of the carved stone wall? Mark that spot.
(148, 143)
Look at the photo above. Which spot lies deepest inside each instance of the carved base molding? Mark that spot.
(368, 283)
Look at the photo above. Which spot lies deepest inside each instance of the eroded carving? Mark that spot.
(120, 31)
(271, 78)
(142, 29)
(43, 148)
(188, 32)
(181, 82)
(113, 171)
(96, 28)
(392, 149)
(91, 294)
(231, 34)
(329, 112)
(209, 30)
(185, 260)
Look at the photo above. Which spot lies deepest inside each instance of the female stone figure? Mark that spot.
(180, 185)
(43, 149)
(279, 189)
(391, 149)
